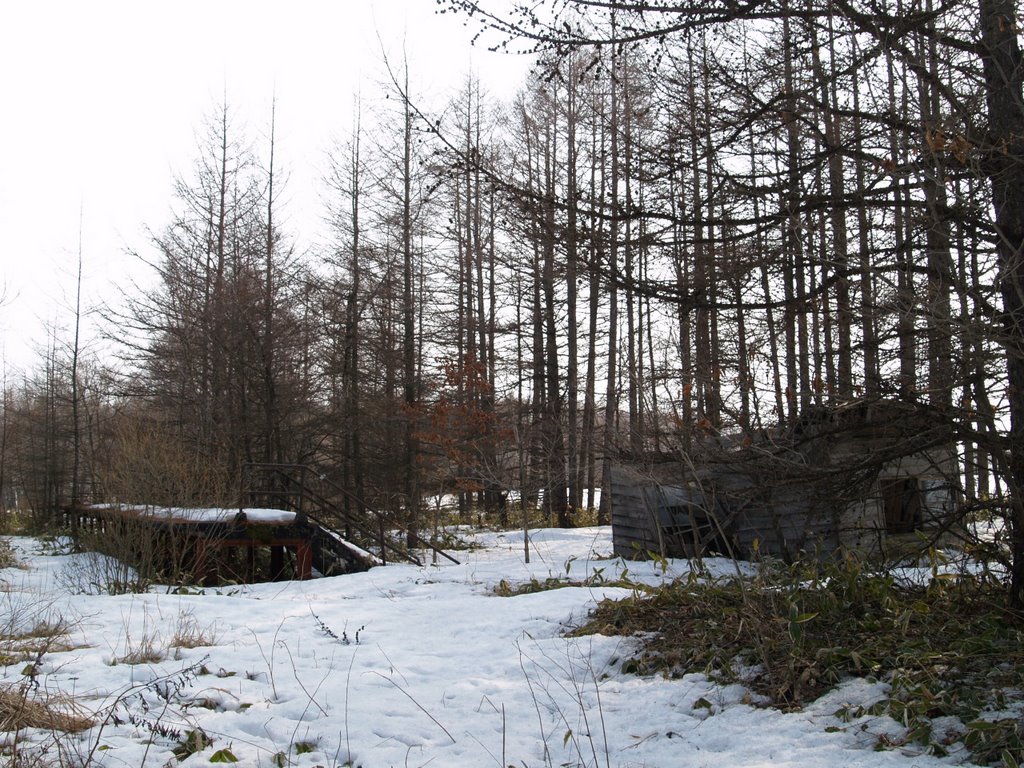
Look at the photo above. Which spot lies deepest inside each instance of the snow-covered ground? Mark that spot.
(410, 666)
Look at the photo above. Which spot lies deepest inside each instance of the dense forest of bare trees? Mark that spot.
(692, 221)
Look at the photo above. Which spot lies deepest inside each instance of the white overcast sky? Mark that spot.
(102, 102)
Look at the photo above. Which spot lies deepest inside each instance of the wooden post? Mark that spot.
(303, 561)
(276, 562)
(206, 567)
(200, 545)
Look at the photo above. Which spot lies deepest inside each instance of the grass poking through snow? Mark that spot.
(22, 707)
(945, 648)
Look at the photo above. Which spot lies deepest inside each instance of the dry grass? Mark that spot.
(8, 559)
(29, 629)
(21, 708)
(189, 634)
(150, 648)
(146, 651)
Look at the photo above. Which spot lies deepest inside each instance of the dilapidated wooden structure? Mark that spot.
(287, 525)
(874, 477)
(214, 546)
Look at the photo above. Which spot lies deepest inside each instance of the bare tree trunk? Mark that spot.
(76, 421)
(5, 420)
(628, 260)
(595, 245)
(555, 486)
(703, 387)
(409, 356)
(1004, 81)
(794, 275)
(611, 403)
(868, 319)
(937, 238)
(272, 447)
(571, 257)
(353, 404)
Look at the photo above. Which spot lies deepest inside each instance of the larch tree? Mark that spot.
(215, 340)
(895, 128)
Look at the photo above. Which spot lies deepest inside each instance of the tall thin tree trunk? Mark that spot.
(1004, 82)
(272, 447)
(571, 258)
(611, 403)
(76, 421)
(409, 356)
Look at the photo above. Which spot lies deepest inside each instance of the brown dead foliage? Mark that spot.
(21, 708)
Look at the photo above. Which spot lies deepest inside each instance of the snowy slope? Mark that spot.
(407, 666)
